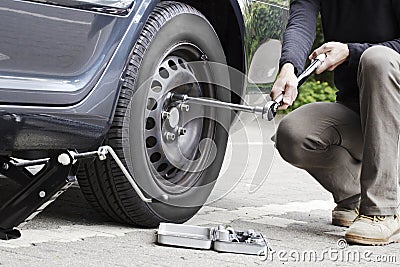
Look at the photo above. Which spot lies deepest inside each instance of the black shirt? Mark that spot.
(359, 23)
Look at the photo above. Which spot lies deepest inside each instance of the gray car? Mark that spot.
(79, 74)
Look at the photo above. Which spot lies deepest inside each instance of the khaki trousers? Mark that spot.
(354, 156)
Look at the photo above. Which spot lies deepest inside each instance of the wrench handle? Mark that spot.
(315, 64)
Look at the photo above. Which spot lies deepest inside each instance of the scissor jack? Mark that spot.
(41, 189)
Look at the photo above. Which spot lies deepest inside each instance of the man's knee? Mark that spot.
(377, 59)
(289, 142)
(377, 63)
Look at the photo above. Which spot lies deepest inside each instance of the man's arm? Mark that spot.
(337, 53)
(297, 42)
(340, 52)
(300, 33)
(357, 49)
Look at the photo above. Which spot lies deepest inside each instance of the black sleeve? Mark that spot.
(357, 49)
(300, 33)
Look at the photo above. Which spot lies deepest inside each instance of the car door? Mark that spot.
(53, 52)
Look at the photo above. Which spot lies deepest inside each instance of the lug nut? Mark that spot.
(165, 115)
(184, 107)
(5, 166)
(170, 136)
(181, 131)
(42, 194)
(64, 159)
(204, 57)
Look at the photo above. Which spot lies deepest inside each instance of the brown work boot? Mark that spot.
(374, 230)
(343, 217)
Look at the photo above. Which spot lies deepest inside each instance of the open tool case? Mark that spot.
(220, 239)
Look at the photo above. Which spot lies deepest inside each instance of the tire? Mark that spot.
(174, 36)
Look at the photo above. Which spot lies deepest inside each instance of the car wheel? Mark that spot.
(170, 149)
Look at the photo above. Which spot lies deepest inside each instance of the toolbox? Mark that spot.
(220, 238)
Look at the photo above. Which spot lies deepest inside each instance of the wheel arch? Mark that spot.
(227, 19)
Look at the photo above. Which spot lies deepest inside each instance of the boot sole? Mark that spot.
(342, 223)
(356, 239)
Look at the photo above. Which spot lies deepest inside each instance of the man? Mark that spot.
(352, 146)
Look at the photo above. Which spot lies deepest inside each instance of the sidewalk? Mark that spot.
(290, 208)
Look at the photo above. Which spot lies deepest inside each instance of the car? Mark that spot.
(76, 75)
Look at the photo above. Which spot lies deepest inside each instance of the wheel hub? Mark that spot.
(174, 117)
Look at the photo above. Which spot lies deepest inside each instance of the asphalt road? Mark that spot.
(258, 190)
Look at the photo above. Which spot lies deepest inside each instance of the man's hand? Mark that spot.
(336, 54)
(286, 84)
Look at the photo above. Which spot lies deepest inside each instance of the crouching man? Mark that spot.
(351, 147)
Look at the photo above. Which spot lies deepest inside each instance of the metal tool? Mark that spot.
(41, 189)
(220, 238)
(268, 111)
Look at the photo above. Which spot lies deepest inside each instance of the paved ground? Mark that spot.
(289, 207)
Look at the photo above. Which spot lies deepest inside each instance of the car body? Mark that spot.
(61, 62)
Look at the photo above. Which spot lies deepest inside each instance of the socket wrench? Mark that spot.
(268, 111)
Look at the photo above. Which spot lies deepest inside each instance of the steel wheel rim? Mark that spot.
(168, 157)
